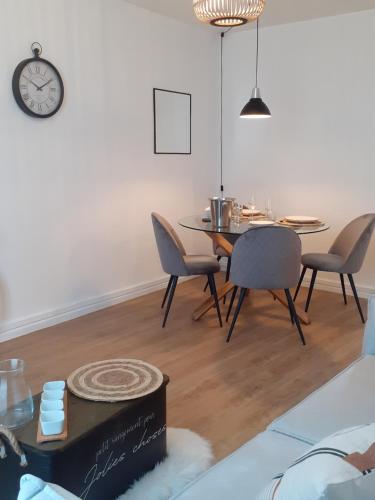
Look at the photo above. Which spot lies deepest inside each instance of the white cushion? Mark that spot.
(33, 488)
(324, 474)
(345, 401)
(243, 474)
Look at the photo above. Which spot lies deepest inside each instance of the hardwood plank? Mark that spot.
(280, 296)
(225, 392)
(200, 311)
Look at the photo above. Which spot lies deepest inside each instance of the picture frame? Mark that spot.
(172, 122)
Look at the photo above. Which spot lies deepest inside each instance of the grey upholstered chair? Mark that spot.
(175, 262)
(345, 256)
(266, 258)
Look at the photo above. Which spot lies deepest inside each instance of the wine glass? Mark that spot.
(252, 206)
(236, 213)
(268, 210)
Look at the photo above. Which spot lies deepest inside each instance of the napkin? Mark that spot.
(33, 488)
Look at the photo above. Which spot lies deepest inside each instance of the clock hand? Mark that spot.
(44, 84)
(35, 85)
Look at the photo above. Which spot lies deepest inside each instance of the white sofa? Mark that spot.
(345, 401)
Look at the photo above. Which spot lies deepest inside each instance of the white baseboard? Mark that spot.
(334, 286)
(12, 329)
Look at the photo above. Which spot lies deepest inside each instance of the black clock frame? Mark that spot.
(16, 86)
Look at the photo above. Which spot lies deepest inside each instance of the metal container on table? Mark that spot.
(221, 211)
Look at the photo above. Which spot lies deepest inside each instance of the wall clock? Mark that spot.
(37, 85)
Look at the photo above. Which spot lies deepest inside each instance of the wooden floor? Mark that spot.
(227, 393)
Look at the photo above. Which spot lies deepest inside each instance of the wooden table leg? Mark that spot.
(209, 302)
(201, 310)
(280, 296)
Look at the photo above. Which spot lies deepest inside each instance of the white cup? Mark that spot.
(52, 395)
(52, 405)
(52, 422)
(56, 385)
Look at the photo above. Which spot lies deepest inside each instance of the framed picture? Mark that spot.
(172, 122)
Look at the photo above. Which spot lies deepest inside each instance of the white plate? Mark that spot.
(262, 222)
(301, 219)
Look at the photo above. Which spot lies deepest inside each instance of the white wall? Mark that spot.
(76, 190)
(316, 155)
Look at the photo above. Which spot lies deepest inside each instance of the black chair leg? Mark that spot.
(343, 288)
(294, 314)
(211, 282)
(227, 274)
(234, 293)
(218, 258)
(350, 276)
(229, 265)
(290, 310)
(312, 283)
(167, 291)
(238, 308)
(300, 282)
(170, 298)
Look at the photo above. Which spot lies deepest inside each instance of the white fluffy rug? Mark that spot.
(188, 456)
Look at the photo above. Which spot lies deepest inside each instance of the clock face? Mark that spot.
(38, 87)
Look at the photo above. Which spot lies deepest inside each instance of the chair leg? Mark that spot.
(211, 282)
(300, 282)
(294, 314)
(227, 274)
(167, 291)
(343, 288)
(238, 308)
(170, 299)
(218, 258)
(290, 310)
(229, 265)
(312, 283)
(350, 276)
(234, 293)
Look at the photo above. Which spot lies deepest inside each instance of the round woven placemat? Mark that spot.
(115, 380)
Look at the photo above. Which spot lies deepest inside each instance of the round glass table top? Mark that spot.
(196, 223)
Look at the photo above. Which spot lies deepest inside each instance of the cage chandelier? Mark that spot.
(228, 12)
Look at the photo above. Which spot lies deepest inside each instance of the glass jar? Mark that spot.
(16, 402)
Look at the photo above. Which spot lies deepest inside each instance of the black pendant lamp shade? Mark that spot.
(256, 108)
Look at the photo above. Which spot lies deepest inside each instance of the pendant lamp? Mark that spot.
(226, 13)
(256, 108)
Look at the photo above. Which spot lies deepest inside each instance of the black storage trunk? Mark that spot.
(109, 446)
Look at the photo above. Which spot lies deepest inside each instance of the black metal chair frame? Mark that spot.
(170, 291)
(342, 279)
(293, 315)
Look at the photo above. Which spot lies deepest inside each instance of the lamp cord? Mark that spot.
(222, 34)
(257, 55)
(221, 113)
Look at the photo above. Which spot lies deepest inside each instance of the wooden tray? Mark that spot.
(41, 438)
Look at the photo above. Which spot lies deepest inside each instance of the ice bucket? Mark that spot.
(221, 211)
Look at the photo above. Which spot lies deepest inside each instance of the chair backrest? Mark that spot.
(353, 241)
(266, 258)
(170, 247)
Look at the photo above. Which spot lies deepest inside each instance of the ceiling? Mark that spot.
(276, 11)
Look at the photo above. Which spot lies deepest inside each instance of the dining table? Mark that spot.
(219, 236)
